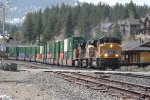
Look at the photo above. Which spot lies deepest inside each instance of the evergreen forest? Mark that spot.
(82, 19)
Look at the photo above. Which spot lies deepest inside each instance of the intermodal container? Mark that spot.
(41, 49)
(27, 49)
(65, 45)
(50, 48)
(45, 51)
(65, 55)
(57, 55)
(69, 55)
(61, 55)
(33, 52)
(61, 46)
(72, 41)
(21, 52)
(50, 51)
(53, 50)
(38, 52)
(57, 46)
(12, 51)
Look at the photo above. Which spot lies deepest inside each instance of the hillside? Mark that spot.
(83, 20)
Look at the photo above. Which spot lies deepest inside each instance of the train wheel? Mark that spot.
(86, 63)
(80, 63)
(73, 63)
(89, 64)
(103, 67)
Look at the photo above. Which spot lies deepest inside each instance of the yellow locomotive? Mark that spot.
(102, 52)
(109, 54)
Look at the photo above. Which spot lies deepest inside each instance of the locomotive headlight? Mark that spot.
(106, 55)
(111, 45)
(117, 55)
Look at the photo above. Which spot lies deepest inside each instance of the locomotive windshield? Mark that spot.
(109, 40)
(111, 51)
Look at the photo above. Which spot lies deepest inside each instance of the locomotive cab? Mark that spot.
(109, 53)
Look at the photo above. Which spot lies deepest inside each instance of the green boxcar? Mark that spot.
(72, 41)
(61, 46)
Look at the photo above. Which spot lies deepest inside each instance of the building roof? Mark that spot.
(148, 17)
(133, 21)
(142, 49)
(121, 22)
(108, 25)
(142, 20)
(136, 46)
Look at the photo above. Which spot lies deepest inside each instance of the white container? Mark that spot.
(65, 45)
(41, 49)
(47, 49)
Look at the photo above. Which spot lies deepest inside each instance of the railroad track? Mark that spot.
(125, 74)
(120, 89)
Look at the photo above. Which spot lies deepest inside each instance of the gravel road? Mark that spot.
(38, 85)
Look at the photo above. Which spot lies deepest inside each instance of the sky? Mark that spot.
(113, 2)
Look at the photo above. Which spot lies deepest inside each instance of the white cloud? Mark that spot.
(113, 2)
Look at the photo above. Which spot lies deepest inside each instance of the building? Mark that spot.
(108, 27)
(145, 25)
(129, 26)
(136, 53)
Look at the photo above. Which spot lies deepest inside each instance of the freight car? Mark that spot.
(102, 52)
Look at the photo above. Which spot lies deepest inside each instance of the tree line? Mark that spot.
(67, 20)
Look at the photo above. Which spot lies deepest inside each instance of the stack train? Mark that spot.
(104, 52)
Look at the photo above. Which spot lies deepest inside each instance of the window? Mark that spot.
(112, 51)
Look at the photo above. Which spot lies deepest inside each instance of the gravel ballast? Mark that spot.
(36, 85)
(133, 80)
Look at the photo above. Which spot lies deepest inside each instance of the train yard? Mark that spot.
(72, 83)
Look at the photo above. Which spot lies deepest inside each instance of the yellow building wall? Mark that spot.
(145, 57)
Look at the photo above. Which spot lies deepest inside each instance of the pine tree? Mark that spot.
(15, 33)
(28, 28)
(39, 26)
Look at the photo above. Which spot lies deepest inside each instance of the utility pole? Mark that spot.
(4, 6)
